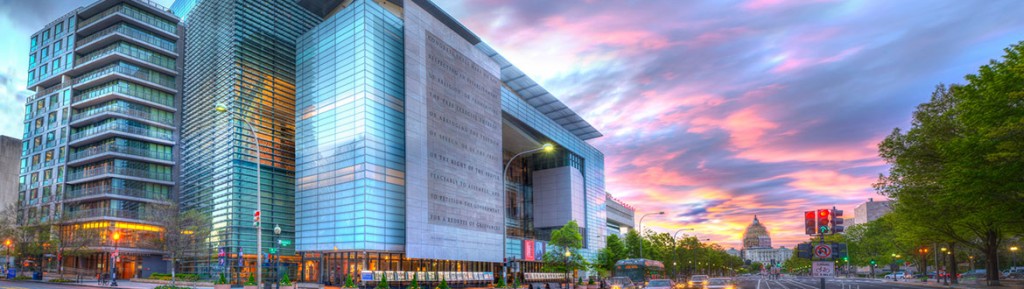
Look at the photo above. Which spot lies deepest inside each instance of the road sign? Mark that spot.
(823, 269)
(823, 251)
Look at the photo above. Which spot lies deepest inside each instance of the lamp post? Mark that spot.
(277, 250)
(568, 282)
(1014, 252)
(113, 260)
(640, 227)
(7, 245)
(675, 236)
(944, 272)
(259, 197)
(547, 147)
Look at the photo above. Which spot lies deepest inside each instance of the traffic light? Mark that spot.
(803, 250)
(873, 262)
(256, 218)
(823, 221)
(837, 221)
(810, 227)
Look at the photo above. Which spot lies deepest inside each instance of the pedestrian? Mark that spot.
(99, 280)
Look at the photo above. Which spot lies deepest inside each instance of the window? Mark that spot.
(56, 65)
(42, 70)
(46, 35)
(57, 47)
(31, 75)
(45, 53)
(32, 60)
(59, 29)
(68, 59)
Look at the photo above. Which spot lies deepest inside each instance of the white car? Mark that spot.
(896, 276)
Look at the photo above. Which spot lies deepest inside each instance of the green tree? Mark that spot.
(565, 239)
(957, 171)
(613, 251)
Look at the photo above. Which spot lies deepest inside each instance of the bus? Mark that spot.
(639, 270)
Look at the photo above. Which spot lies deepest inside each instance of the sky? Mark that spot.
(712, 111)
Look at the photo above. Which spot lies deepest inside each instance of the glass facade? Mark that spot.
(101, 129)
(240, 54)
(350, 191)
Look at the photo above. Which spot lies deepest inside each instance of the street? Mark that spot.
(814, 283)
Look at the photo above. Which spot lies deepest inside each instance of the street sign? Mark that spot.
(823, 251)
(823, 269)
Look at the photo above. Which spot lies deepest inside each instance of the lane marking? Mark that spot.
(758, 283)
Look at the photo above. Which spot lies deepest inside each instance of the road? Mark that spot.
(814, 283)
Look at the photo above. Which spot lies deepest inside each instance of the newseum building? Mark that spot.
(404, 122)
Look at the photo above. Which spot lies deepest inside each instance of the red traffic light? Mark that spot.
(823, 213)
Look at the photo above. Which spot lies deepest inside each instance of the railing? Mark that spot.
(123, 110)
(130, 32)
(134, 14)
(137, 72)
(111, 169)
(123, 88)
(122, 127)
(80, 154)
(107, 189)
(102, 212)
(127, 49)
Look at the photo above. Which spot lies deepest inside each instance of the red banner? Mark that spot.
(528, 252)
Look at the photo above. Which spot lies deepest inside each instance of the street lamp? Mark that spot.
(547, 147)
(259, 197)
(676, 237)
(7, 244)
(277, 240)
(640, 226)
(568, 282)
(113, 259)
(1014, 250)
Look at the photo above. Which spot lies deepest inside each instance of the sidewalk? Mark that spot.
(1006, 284)
(121, 284)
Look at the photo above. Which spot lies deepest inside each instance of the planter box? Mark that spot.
(287, 286)
(222, 286)
(250, 287)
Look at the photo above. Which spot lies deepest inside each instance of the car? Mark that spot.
(896, 276)
(697, 281)
(621, 283)
(719, 283)
(660, 284)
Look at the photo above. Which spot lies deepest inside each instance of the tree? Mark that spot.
(957, 172)
(566, 238)
(73, 240)
(613, 251)
(183, 231)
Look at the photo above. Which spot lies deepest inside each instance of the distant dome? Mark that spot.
(756, 236)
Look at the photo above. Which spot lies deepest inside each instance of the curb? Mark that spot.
(71, 284)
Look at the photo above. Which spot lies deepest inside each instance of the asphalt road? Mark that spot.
(815, 283)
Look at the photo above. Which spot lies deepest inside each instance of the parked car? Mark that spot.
(896, 276)
(660, 284)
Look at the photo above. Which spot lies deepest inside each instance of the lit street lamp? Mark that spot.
(676, 237)
(640, 226)
(277, 239)
(113, 260)
(259, 197)
(1014, 250)
(504, 201)
(568, 281)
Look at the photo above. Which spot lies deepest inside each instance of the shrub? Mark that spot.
(515, 282)
(444, 284)
(383, 284)
(222, 280)
(22, 277)
(285, 281)
(349, 283)
(251, 281)
(501, 283)
(170, 287)
(414, 284)
(58, 280)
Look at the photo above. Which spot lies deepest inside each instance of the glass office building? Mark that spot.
(101, 134)
(240, 54)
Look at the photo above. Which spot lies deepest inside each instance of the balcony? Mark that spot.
(123, 90)
(113, 150)
(124, 51)
(110, 128)
(107, 191)
(127, 32)
(142, 75)
(96, 114)
(101, 213)
(124, 12)
(102, 171)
